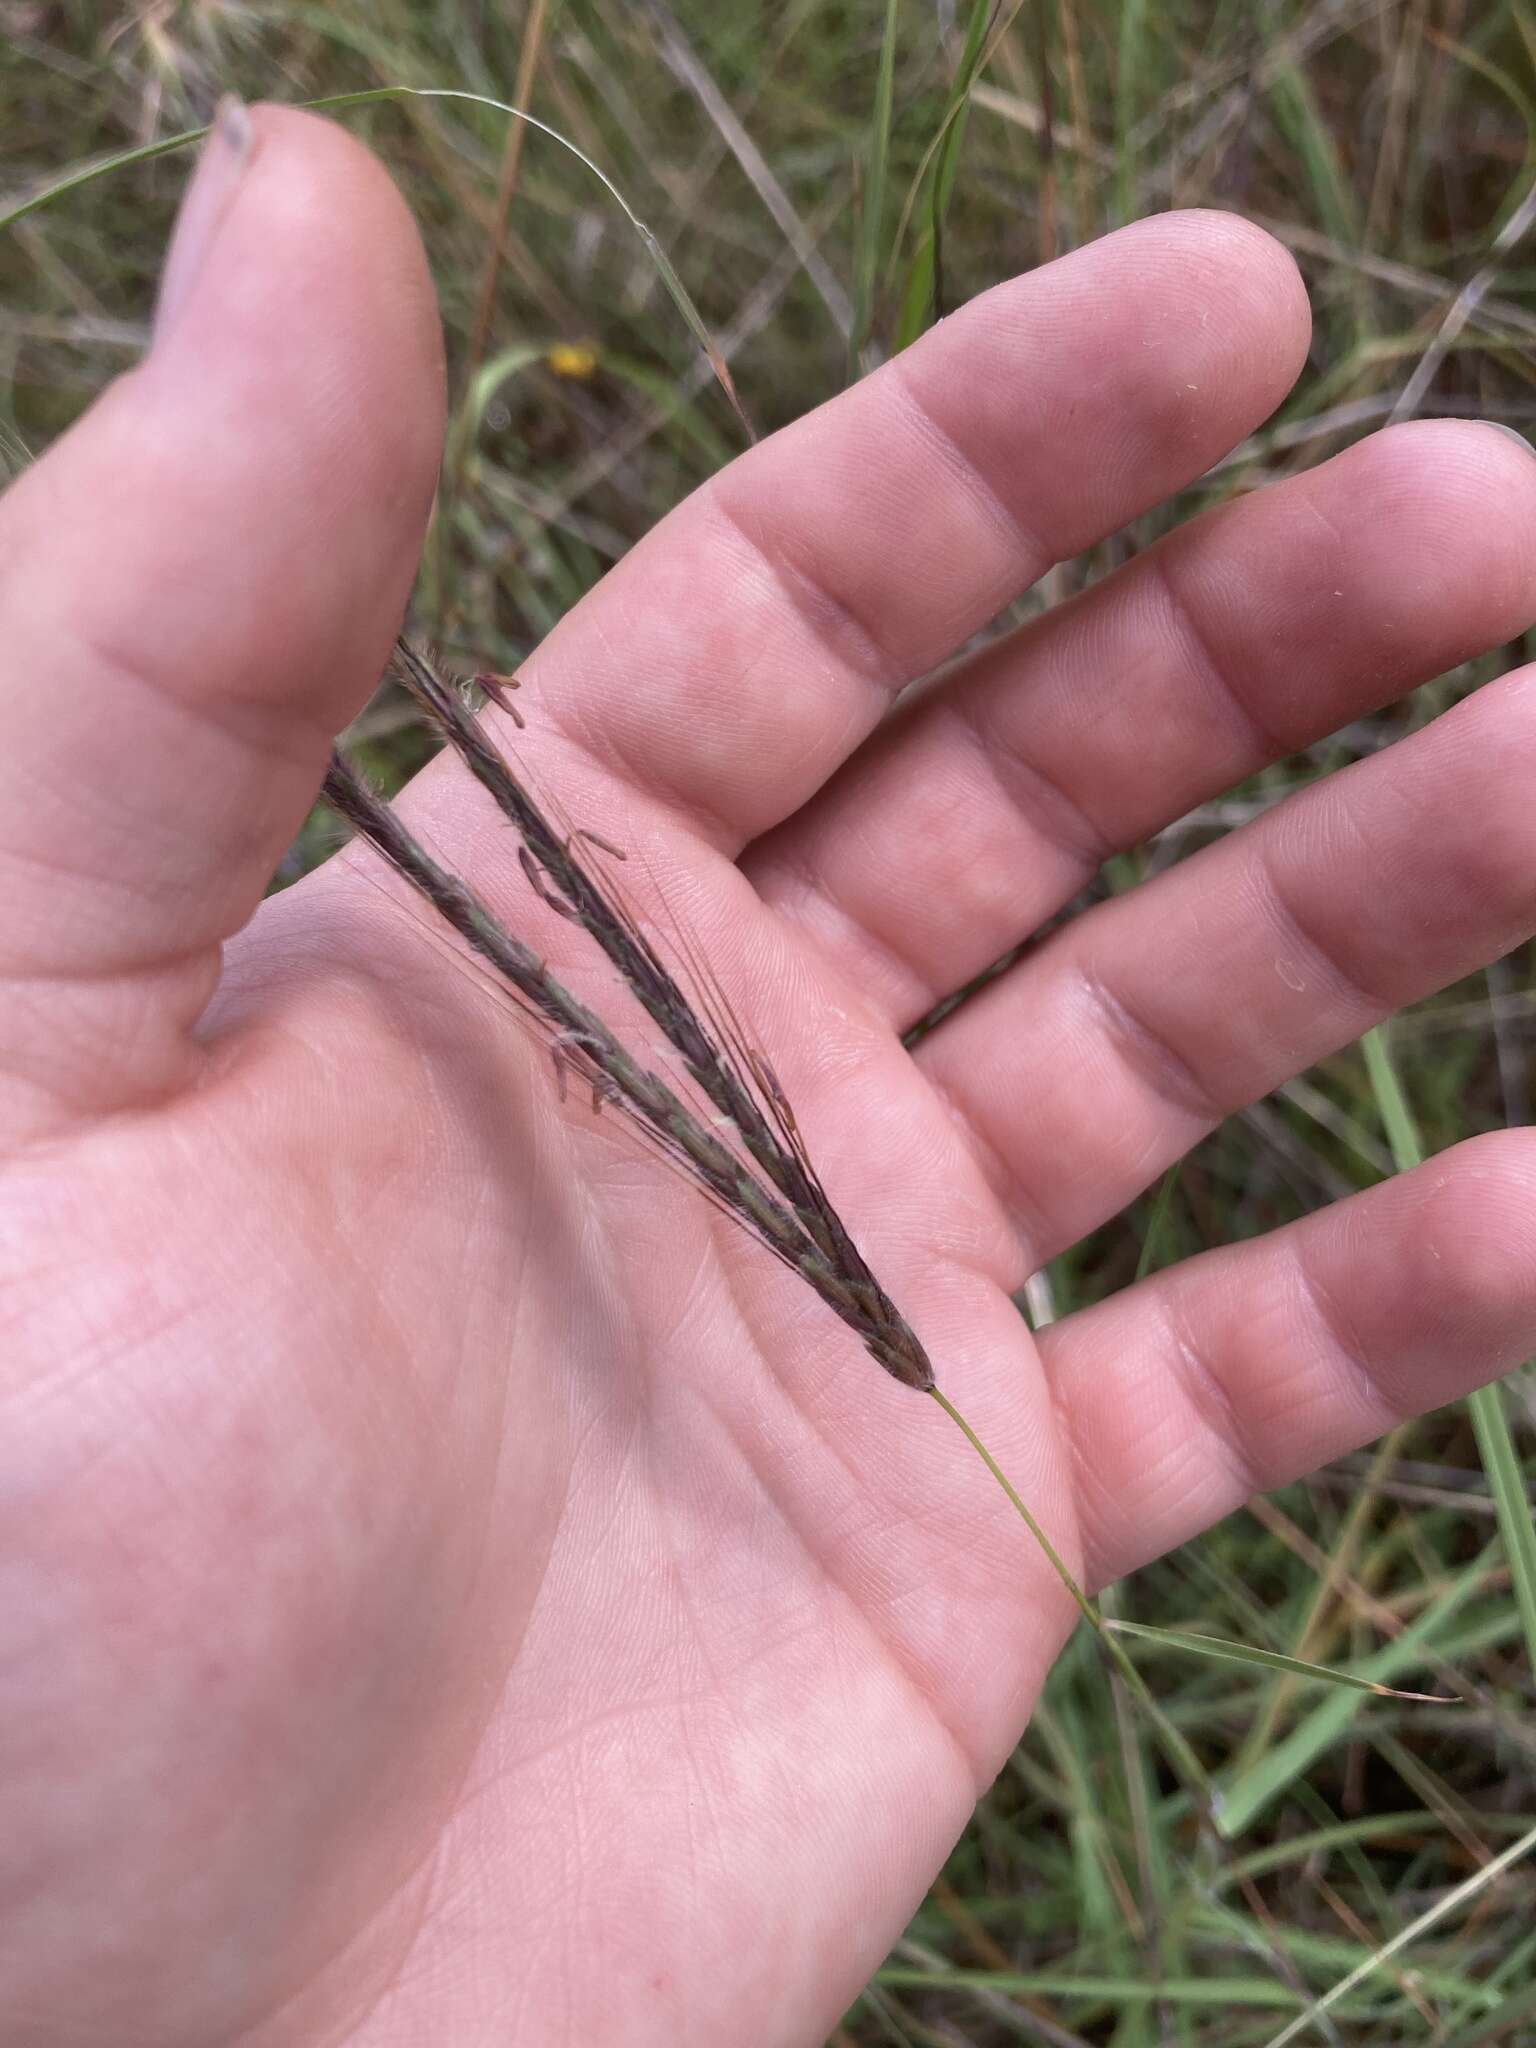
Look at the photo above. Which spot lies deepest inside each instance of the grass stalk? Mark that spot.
(1490, 1418)
(867, 257)
(506, 187)
(1178, 1749)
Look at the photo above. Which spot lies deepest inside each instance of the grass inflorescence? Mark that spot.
(774, 1192)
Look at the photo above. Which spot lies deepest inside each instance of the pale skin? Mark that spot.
(453, 1588)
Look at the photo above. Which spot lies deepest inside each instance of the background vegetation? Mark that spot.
(1392, 145)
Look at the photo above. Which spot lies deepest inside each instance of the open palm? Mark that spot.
(454, 1587)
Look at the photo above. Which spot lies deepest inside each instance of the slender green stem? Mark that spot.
(1490, 1418)
(370, 95)
(1506, 1482)
(1180, 1755)
(1151, 1243)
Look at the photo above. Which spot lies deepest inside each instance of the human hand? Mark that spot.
(455, 1588)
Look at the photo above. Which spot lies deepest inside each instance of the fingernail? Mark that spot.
(1514, 434)
(226, 152)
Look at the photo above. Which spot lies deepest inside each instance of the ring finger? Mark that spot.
(1136, 1028)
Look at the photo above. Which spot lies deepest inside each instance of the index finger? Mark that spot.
(737, 655)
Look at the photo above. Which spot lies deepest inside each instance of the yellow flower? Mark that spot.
(572, 359)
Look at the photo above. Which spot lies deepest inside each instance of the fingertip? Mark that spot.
(1243, 274)
(1151, 353)
(1241, 247)
(1492, 455)
(293, 396)
(1511, 438)
(1456, 499)
(1455, 1240)
(316, 247)
(1500, 465)
(338, 191)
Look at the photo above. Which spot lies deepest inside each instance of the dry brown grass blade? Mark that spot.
(684, 63)
(506, 187)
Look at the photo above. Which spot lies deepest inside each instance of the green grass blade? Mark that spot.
(1129, 56)
(916, 297)
(1296, 112)
(867, 258)
(1251, 1791)
(1500, 2024)
(922, 297)
(1442, 1908)
(1293, 1851)
(675, 287)
(1506, 1480)
(1151, 1244)
(1490, 1419)
(943, 186)
(1239, 1992)
(87, 174)
(1397, 1118)
(373, 95)
(1273, 1660)
(488, 380)
(1523, 104)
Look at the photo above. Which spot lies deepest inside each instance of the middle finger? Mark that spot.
(1246, 635)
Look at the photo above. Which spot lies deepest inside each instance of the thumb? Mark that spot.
(198, 586)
